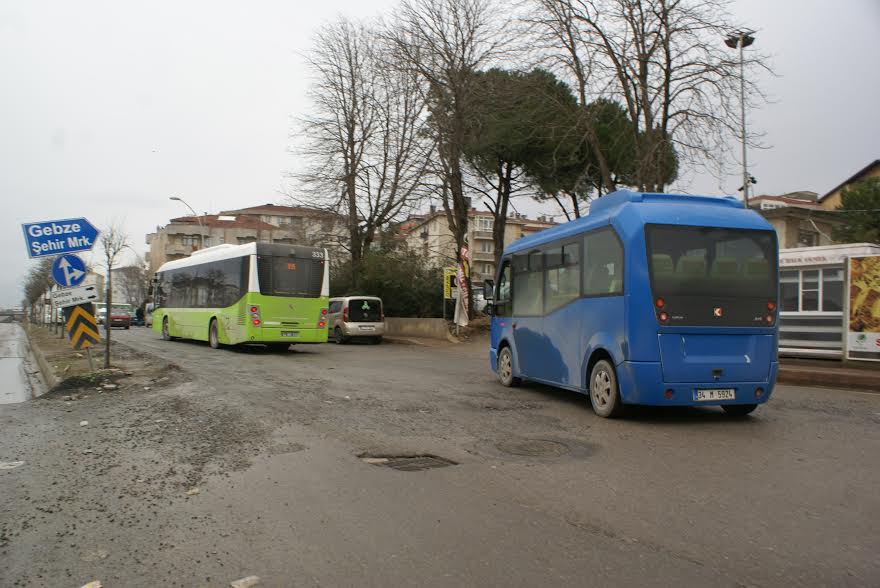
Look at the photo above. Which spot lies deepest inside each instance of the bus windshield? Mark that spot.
(290, 276)
(702, 266)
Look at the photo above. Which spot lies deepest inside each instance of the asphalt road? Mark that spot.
(543, 494)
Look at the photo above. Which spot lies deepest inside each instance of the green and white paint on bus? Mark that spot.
(253, 293)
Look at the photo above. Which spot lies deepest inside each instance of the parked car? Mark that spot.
(356, 317)
(120, 316)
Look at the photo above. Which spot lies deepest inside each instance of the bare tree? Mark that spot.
(113, 240)
(366, 153)
(36, 284)
(135, 281)
(665, 62)
(444, 42)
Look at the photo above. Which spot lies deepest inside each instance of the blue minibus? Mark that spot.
(655, 299)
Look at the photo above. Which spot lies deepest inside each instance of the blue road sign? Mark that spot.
(69, 271)
(59, 237)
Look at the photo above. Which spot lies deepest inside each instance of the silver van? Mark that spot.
(353, 317)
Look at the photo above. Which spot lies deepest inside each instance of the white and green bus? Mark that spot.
(267, 293)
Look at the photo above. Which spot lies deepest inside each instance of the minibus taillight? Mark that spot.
(770, 319)
(660, 303)
(663, 316)
(345, 314)
(771, 306)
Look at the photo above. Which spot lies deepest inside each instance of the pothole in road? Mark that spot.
(533, 447)
(407, 463)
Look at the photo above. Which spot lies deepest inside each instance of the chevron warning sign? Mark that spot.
(81, 325)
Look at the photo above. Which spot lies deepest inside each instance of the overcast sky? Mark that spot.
(109, 108)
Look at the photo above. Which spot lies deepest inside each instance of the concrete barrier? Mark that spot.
(431, 328)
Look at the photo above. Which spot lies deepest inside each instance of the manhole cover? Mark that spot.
(408, 463)
(533, 447)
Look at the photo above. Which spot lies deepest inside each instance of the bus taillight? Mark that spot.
(663, 316)
(770, 319)
(256, 322)
(660, 303)
(771, 306)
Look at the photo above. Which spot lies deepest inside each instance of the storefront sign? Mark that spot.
(863, 328)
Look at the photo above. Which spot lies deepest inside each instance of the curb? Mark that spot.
(45, 369)
(867, 382)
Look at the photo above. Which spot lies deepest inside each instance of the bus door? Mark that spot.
(561, 327)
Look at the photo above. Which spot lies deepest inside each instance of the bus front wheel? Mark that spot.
(604, 392)
(738, 410)
(505, 368)
(213, 337)
(166, 330)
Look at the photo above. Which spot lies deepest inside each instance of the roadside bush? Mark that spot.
(407, 286)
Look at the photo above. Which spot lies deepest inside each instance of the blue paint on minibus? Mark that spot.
(707, 265)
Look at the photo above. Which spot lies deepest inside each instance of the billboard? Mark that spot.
(863, 314)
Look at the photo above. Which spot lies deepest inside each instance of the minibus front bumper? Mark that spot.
(642, 383)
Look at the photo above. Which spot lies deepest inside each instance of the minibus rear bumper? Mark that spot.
(642, 383)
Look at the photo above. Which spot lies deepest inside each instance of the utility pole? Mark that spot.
(742, 39)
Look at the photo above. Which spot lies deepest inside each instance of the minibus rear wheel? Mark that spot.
(604, 392)
(738, 410)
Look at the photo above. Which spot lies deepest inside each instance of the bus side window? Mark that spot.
(603, 266)
(502, 296)
(528, 284)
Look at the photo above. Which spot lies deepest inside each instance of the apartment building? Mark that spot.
(429, 234)
(268, 222)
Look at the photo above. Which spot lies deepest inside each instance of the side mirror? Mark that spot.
(489, 289)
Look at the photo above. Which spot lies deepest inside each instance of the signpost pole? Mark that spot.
(91, 360)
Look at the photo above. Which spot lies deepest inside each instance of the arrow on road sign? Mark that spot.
(68, 270)
(59, 237)
(81, 326)
(71, 274)
(74, 296)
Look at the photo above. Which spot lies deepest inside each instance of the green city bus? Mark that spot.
(269, 293)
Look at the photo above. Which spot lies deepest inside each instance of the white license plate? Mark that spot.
(715, 394)
(367, 328)
(290, 333)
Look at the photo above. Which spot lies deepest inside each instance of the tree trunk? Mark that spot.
(108, 313)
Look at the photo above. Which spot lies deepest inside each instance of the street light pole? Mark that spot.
(742, 39)
(198, 219)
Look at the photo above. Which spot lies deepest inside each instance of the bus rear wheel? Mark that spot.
(604, 392)
(213, 337)
(505, 368)
(739, 410)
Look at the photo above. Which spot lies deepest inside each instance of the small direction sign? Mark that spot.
(59, 236)
(74, 296)
(68, 271)
(81, 326)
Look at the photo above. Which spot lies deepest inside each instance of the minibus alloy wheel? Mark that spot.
(505, 368)
(604, 392)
